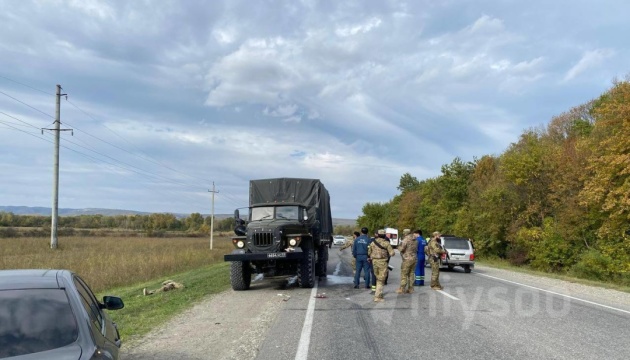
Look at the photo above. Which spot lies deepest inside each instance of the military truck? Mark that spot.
(288, 231)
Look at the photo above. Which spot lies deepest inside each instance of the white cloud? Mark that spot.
(590, 59)
(350, 30)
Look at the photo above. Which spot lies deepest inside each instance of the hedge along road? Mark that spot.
(487, 314)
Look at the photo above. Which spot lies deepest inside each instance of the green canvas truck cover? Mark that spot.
(309, 192)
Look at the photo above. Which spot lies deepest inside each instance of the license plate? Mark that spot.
(277, 255)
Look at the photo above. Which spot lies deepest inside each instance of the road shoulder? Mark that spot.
(229, 325)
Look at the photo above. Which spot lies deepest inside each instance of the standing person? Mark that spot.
(355, 235)
(435, 250)
(360, 253)
(422, 243)
(409, 251)
(373, 278)
(379, 250)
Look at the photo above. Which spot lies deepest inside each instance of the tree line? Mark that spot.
(557, 200)
(148, 223)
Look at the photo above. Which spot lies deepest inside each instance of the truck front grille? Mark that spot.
(263, 239)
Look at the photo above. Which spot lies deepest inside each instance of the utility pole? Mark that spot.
(55, 198)
(213, 191)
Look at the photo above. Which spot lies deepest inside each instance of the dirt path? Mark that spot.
(229, 325)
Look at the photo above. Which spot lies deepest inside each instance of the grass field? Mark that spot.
(124, 266)
(113, 262)
(144, 313)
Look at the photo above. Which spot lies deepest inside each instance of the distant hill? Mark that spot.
(45, 211)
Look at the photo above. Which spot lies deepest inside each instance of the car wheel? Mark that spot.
(467, 269)
(451, 267)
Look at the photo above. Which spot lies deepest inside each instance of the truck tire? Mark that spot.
(322, 261)
(306, 269)
(467, 269)
(240, 275)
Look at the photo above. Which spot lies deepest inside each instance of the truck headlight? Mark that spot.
(292, 242)
(240, 244)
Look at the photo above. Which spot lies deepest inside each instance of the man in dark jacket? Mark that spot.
(360, 253)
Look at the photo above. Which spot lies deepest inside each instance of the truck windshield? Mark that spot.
(287, 212)
(281, 212)
(261, 213)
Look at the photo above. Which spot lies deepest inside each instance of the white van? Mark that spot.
(392, 234)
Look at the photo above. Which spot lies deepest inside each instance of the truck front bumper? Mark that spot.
(241, 255)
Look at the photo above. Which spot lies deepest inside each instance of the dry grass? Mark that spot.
(110, 262)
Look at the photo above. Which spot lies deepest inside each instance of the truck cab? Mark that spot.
(280, 236)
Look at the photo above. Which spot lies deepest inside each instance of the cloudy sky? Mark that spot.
(166, 97)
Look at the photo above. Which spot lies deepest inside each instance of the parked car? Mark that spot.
(53, 314)
(339, 240)
(461, 253)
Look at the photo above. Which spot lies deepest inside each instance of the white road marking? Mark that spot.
(305, 338)
(447, 295)
(556, 293)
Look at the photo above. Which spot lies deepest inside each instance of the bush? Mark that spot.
(8, 232)
(517, 256)
(595, 266)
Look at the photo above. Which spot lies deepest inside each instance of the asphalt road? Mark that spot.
(477, 316)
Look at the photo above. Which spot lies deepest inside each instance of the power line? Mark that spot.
(142, 155)
(28, 133)
(22, 121)
(96, 160)
(28, 86)
(23, 103)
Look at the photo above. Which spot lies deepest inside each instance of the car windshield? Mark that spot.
(455, 243)
(35, 320)
(339, 237)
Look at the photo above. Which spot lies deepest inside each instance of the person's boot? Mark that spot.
(378, 299)
(399, 290)
(410, 290)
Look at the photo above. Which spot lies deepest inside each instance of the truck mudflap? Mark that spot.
(241, 255)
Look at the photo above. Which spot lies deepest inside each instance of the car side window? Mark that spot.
(90, 303)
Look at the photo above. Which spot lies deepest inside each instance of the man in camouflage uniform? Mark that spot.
(435, 250)
(349, 245)
(409, 251)
(379, 250)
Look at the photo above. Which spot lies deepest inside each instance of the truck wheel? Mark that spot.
(451, 267)
(467, 269)
(306, 270)
(240, 275)
(322, 261)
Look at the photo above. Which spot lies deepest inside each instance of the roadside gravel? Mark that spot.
(604, 296)
(229, 325)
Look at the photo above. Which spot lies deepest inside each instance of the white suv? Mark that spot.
(339, 240)
(460, 253)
